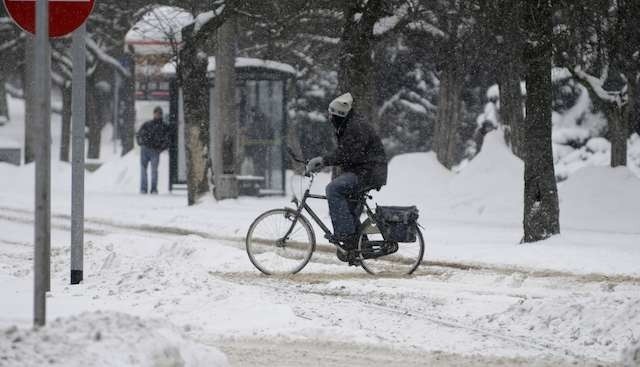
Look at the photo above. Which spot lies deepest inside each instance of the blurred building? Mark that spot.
(154, 41)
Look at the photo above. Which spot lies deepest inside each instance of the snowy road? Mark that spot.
(329, 313)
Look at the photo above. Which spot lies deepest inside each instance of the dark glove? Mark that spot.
(315, 165)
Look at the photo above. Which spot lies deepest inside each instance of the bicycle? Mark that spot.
(282, 241)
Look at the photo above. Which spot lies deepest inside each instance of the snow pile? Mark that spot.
(631, 356)
(490, 189)
(104, 339)
(9, 143)
(601, 197)
(24, 176)
(595, 152)
(123, 175)
(415, 175)
(554, 320)
(492, 183)
(490, 186)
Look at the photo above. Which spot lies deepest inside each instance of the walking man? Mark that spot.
(153, 138)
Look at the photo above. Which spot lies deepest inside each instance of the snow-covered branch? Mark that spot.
(595, 85)
(423, 26)
(106, 58)
(320, 38)
(202, 19)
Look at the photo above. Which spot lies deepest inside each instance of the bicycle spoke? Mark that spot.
(270, 255)
(403, 261)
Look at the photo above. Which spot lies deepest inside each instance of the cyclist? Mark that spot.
(360, 156)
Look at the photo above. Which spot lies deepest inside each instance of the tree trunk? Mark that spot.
(127, 107)
(93, 122)
(510, 68)
(27, 85)
(621, 121)
(511, 111)
(541, 210)
(632, 108)
(355, 73)
(193, 80)
(4, 105)
(618, 134)
(225, 131)
(446, 139)
(65, 134)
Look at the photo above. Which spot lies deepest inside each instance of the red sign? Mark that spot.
(64, 15)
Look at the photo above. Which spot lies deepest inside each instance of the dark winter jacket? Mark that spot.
(359, 151)
(154, 134)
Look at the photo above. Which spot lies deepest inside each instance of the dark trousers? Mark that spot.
(345, 213)
(149, 155)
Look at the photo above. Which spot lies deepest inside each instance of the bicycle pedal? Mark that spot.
(355, 262)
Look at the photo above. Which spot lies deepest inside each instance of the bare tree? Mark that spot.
(192, 80)
(507, 43)
(541, 209)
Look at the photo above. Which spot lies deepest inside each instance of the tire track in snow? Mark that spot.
(323, 248)
(399, 310)
(361, 300)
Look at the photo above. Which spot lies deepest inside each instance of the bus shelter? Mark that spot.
(261, 105)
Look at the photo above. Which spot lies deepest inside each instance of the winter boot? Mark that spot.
(349, 243)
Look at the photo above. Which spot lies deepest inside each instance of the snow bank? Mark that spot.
(123, 174)
(415, 175)
(490, 189)
(24, 176)
(601, 197)
(9, 143)
(580, 320)
(492, 183)
(104, 339)
(631, 356)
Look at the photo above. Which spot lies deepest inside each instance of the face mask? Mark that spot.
(337, 121)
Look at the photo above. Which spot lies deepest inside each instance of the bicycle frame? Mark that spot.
(302, 205)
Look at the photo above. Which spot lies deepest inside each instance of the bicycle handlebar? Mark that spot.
(299, 160)
(294, 157)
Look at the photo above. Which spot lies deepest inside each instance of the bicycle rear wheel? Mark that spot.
(269, 250)
(402, 262)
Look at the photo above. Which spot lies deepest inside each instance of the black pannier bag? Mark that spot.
(399, 223)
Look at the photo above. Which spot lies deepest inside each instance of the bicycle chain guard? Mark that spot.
(375, 249)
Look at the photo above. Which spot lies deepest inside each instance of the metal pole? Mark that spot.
(42, 117)
(78, 106)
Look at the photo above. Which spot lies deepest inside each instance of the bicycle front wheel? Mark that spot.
(276, 245)
(402, 262)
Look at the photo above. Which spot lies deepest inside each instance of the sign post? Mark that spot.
(77, 176)
(52, 18)
(42, 117)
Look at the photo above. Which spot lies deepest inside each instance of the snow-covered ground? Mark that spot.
(105, 339)
(181, 274)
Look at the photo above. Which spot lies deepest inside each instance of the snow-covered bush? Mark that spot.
(579, 128)
(407, 110)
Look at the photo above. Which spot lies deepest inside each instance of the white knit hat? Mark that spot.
(341, 105)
